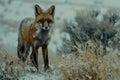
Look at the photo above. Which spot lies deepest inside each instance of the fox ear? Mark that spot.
(38, 10)
(51, 10)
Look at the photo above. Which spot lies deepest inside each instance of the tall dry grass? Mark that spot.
(89, 66)
(94, 47)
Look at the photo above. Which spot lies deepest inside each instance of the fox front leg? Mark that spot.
(34, 57)
(45, 56)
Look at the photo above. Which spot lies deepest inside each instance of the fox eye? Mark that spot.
(40, 24)
(50, 21)
(50, 24)
(40, 21)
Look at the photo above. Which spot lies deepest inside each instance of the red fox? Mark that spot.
(36, 33)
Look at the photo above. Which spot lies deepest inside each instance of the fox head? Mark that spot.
(44, 19)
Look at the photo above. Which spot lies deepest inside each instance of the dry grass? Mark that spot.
(84, 66)
(93, 48)
(11, 68)
(88, 66)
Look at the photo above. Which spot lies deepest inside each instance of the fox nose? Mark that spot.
(46, 28)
